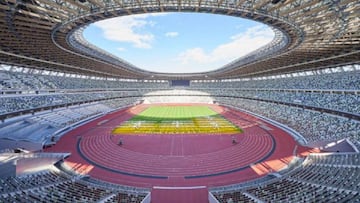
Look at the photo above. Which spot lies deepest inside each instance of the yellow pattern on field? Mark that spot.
(177, 120)
(193, 125)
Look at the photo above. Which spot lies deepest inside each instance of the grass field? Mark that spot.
(177, 120)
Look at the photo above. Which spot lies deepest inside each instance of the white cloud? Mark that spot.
(130, 29)
(196, 55)
(121, 49)
(239, 45)
(171, 34)
(154, 14)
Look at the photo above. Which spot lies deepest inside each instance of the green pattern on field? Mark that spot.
(174, 113)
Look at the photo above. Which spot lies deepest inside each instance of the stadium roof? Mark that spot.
(309, 34)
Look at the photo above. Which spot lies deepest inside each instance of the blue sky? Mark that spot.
(178, 42)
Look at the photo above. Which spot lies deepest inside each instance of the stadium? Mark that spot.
(280, 124)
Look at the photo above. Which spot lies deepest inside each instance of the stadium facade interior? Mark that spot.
(281, 124)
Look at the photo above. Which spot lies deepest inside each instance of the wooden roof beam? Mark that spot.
(260, 4)
(277, 6)
(47, 11)
(60, 7)
(78, 4)
(97, 3)
(311, 3)
(239, 2)
(41, 16)
(34, 20)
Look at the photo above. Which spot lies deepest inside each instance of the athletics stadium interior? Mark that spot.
(280, 124)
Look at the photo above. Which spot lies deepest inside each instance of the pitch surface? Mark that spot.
(177, 120)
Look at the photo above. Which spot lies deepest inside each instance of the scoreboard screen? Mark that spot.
(183, 83)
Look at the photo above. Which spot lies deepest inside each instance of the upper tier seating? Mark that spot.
(21, 81)
(335, 101)
(331, 81)
(19, 103)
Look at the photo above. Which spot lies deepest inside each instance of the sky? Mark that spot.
(178, 42)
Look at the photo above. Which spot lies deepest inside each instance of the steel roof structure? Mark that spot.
(309, 34)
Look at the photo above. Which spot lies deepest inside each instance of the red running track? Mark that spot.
(178, 159)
